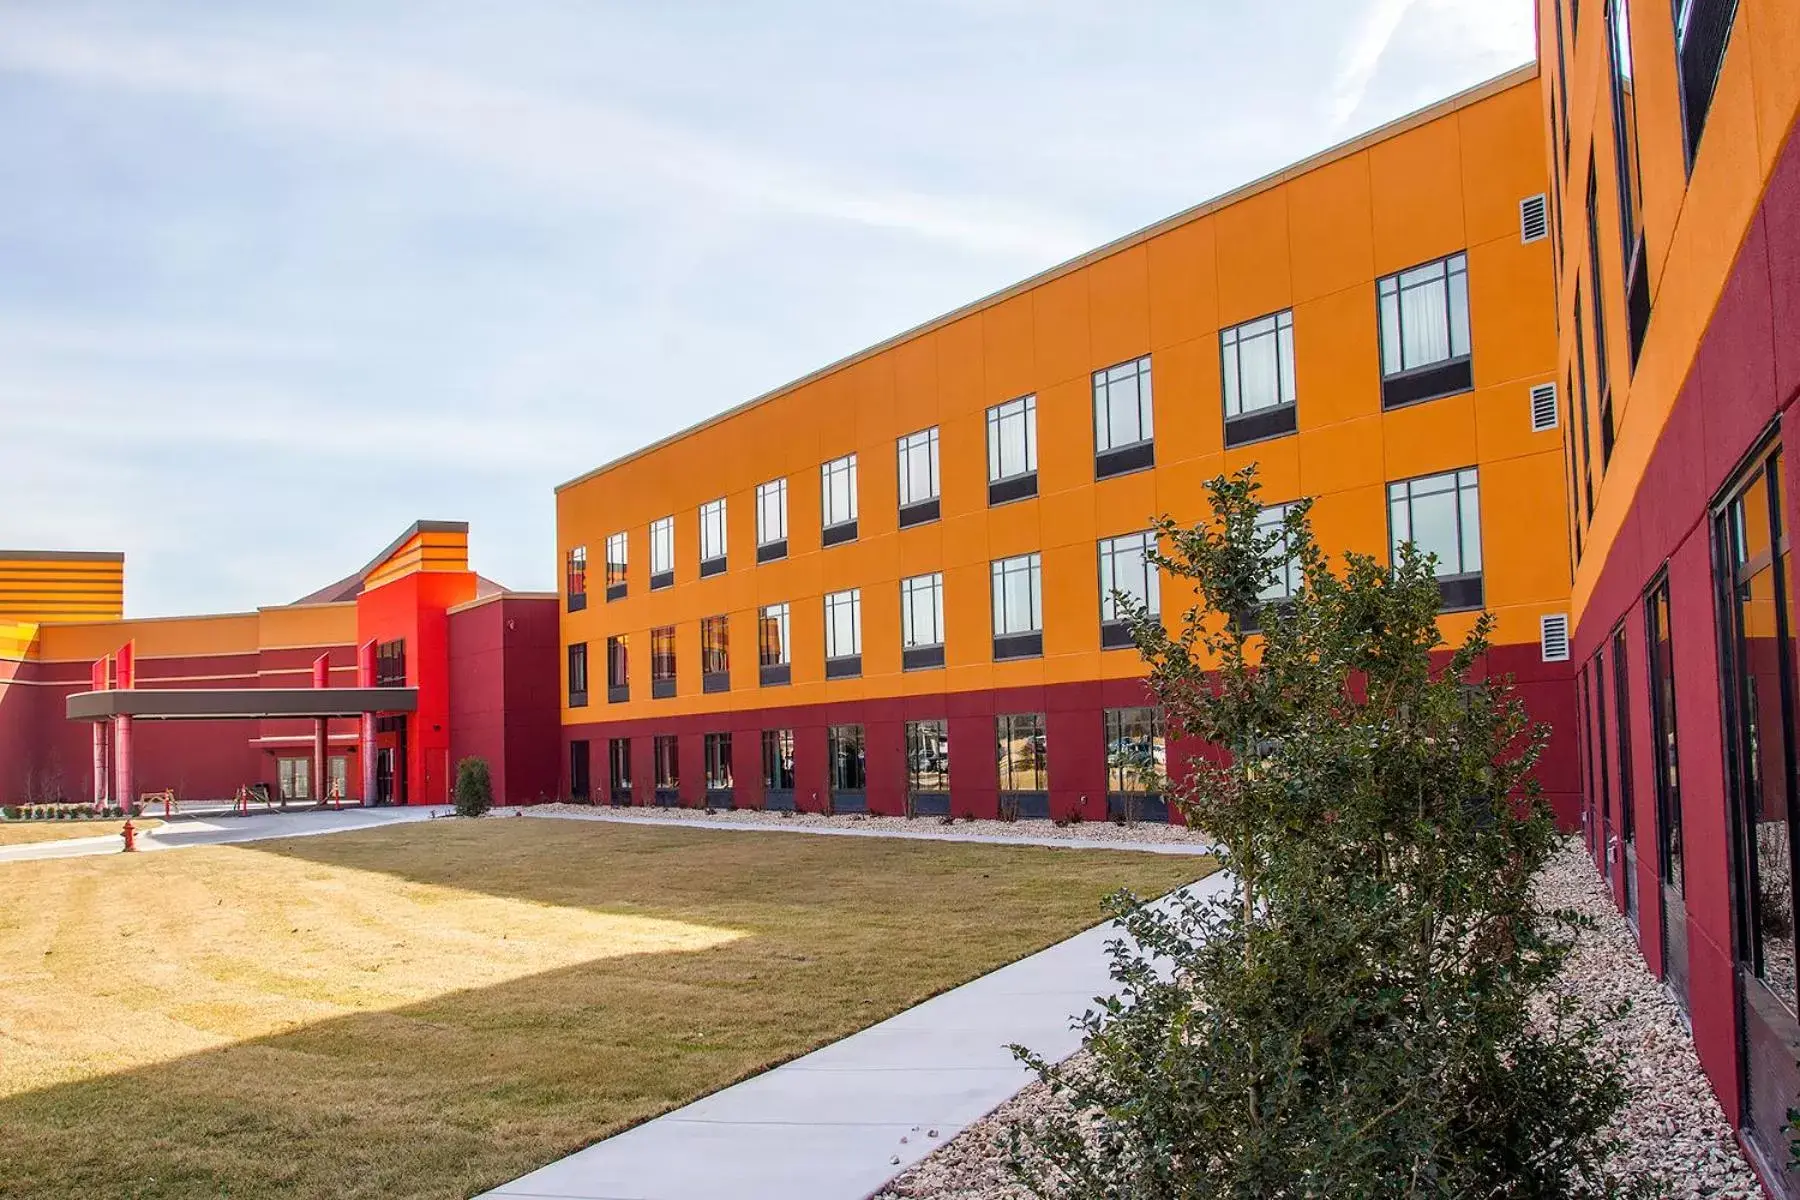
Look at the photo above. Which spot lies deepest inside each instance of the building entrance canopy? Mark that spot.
(213, 704)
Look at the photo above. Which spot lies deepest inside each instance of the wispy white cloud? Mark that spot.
(1374, 32)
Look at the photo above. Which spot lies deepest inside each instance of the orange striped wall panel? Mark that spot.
(53, 586)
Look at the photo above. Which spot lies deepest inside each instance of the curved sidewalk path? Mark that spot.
(181, 832)
(842, 1121)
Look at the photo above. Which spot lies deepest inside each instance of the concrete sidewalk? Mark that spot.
(181, 832)
(829, 1126)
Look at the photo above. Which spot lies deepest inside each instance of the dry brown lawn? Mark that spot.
(19, 833)
(433, 1009)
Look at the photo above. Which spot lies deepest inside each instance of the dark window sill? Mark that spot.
(1460, 593)
(1019, 487)
(921, 658)
(849, 802)
(615, 591)
(661, 580)
(1427, 383)
(778, 799)
(717, 681)
(1261, 425)
(1025, 806)
(930, 804)
(1124, 460)
(1115, 635)
(1134, 806)
(668, 797)
(771, 551)
(618, 695)
(577, 699)
(621, 797)
(1252, 621)
(577, 601)
(719, 798)
(1637, 302)
(921, 513)
(662, 689)
(837, 535)
(776, 674)
(844, 668)
(711, 566)
(1022, 645)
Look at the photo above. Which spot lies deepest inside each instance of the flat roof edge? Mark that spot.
(110, 556)
(1362, 141)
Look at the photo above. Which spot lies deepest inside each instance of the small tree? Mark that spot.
(1367, 1010)
(474, 787)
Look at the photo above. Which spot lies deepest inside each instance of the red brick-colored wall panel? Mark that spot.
(1736, 362)
(1781, 228)
(1076, 738)
(884, 748)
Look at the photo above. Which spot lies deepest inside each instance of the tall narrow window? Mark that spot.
(1012, 450)
(665, 750)
(1024, 761)
(712, 537)
(771, 520)
(1018, 607)
(1702, 27)
(1622, 740)
(849, 768)
(1630, 172)
(837, 496)
(843, 634)
(772, 654)
(715, 654)
(618, 686)
(1562, 81)
(576, 577)
(1256, 364)
(1441, 515)
(1583, 427)
(928, 768)
(1124, 434)
(1284, 576)
(922, 622)
(662, 553)
(1596, 292)
(579, 787)
(578, 674)
(615, 566)
(1126, 570)
(1661, 654)
(1137, 764)
(662, 662)
(1425, 332)
(716, 762)
(1756, 658)
(618, 770)
(778, 769)
(918, 453)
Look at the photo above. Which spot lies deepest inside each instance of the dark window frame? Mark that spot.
(578, 674)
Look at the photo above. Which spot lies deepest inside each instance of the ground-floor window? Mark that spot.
(1661, 661)
(618, 765)
(1137, 754)
(578, 769)
(778, 760)
(927, 756)
(668, 762)
(294, 778)
(1621, 679)
(849, 766)
(1024, 757)
(718, 762)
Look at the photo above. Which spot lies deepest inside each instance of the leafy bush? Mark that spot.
(474, 787)
(1363, 1011)
(12, 812)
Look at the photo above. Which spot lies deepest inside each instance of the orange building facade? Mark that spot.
(1676, 188)
(886, 586)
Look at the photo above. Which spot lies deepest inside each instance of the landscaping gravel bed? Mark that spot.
(1089, 831)
(1672, 1127)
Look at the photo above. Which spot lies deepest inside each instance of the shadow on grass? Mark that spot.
(461, 1092)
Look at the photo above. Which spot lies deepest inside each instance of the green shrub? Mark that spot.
(1353, 1016)
(474, 787)
(12, 812)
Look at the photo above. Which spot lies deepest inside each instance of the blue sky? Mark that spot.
(277, 280)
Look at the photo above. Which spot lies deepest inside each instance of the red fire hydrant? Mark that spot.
(129, 833)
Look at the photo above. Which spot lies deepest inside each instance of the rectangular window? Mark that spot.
(1286, 573)
(576, 576)
(578, 770)
(717, 756)
(578, 674)
(1602, 375)
(1124, 435)
(837, 488)
(1661, 654)
(618, 666)
(665, 751)
(1137, 753)
(390, 663)
(1126, 569)
(922, 621)
(1425, 332)
(1630, 172)
(849, 775)
(715, 654)
(1702, 27)
(615, 565)
(662, 553)
(1586, 430)
(294, 778)
(1622, 759)
(918, 454)
(771, 520)
(928, 763)
(772, 645)
(712, 537)
(1256, 364)
(662, 662)
(843, 634)
(1441, 515)
(778, 763)
(618, 769)
(1024, 761)
(1018, 612)
(1012, 450)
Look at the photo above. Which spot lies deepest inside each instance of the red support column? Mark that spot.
(97, 682)
(123, 782)
(365, 677)
(321, 679)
